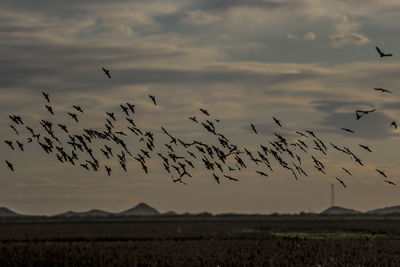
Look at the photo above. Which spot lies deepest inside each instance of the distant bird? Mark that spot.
(262, 173)
(347, 130)
(204, 111)
(74, 116)
(389, 182)
(347, 171)
(216, 178)
(63, 127)
(107, 72)
(193, 119)
(383, 90)
(78, 108)
(394, 124)
(302, 134)
(49, 109)
(108, 170)
(254, 128)
(15, 130)
(111, 115)
(153, 99)
(340, 181)
(9, 143)
(20, 145)
(9, 165)
(366, 148)
(46, 96)
(381, 173)
(277, 122)
(231, 178)
(381, 54)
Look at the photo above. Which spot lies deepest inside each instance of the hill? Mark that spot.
(5, 212)
(385, 211)
(142, 209)
(90, 213)
(335, 210)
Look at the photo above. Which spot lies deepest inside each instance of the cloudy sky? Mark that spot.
(310, 63)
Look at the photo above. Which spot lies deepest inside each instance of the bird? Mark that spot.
(254, 128)
(15, 130)
(262, 173)
(74, 116)
(216, 178)
(381, 54)
(347, 171)
(107, 72)
(382, 173)
(78, 108)
(193, 119)
(389, 182)
(340, 181)
(204, 111)
(111, 115)
(365, 147)
(49, 109)
(9, 165)
(46, 96)
(277, 122)
(383, 90)
(347, 130)
(9, 143)
(153, 98)
(231, 178)
(108, 170)
(394, 124)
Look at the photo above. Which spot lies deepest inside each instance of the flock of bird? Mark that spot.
(95, 149)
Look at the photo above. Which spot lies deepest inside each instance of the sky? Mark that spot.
(309, 63)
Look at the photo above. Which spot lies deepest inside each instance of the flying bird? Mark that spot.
(9, 165)
(383, 90)
(340, 181)
(254, 128)
(347, 130)
(204, 111)
(277, 122)
(394, 124)
(107, 72)
(78, 108)
(347, 171)
(366, 148)
(46, 96)
(382, 173)
(74, 116)
(389, 182)
(153, 98)
(381, 54)
(49, 109)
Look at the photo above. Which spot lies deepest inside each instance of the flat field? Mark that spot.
(211, 241)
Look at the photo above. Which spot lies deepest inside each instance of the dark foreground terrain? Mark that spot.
(201, 241)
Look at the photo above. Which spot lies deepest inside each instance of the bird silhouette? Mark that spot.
(383, 90)
(107, 72)
(78, 108)
(389, 182)
(394, 124)
(277, 122)
(347, 171)
(153, 99)
(381, 54)
(366, 148)
(204, 111)
(10, 166)
(254, 128)
(74, 116)
(381, 173)
(341, 181)
(347, 130)
(49, 109)
(46, 96)
(9, 143)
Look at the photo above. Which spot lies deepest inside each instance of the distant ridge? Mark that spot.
(90, 213)
(335, 210)
(385, 211)
(142, 209)
(5, 212)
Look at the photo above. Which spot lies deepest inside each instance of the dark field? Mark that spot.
(195, 242)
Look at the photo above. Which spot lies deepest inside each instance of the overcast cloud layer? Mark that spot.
(311, 63)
